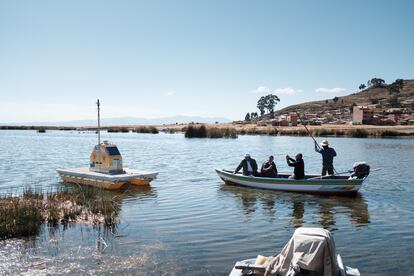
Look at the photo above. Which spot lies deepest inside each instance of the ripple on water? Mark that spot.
(189, 222)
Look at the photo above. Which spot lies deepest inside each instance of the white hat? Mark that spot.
(324, 143)
(247, 155)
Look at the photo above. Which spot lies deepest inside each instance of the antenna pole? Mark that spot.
(99, 122)
(99, 134)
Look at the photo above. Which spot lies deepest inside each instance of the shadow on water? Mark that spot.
(327, 208)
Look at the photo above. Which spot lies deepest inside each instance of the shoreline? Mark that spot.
(360, 131)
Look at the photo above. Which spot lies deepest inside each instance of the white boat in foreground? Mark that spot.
(310, 251)
(333, 185)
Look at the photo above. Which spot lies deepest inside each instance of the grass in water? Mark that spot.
(118, 129)
(209, 132)
(359, 133)
(196, 131)
(23, 215)
(146, 129)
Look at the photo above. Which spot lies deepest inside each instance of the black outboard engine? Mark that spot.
(361, 170)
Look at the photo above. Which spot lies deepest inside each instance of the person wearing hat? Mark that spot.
(269, 168)
(249, 166)
(328, 155)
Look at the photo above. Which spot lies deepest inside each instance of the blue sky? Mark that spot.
(208, 58)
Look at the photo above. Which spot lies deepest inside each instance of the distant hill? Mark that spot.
(124, 121)
(371, 95)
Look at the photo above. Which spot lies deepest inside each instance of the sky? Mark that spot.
(208, 58)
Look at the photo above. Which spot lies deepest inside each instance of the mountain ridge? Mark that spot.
(126, 121)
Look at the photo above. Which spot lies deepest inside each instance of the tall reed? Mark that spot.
(23, 215)
(209, 132)
(146, 129)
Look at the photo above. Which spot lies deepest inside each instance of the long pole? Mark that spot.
(310, 134)
(99, 134)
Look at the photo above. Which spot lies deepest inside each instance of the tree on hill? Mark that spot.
(393, 101)
(374, 101)
(268, 103)
(271, 102)
(362, 86)
(376, 82)
(396, 86)
(335, 99)
(261, 105)
(247, 117)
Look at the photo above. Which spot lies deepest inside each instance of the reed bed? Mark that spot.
(202, 131)
(359, 133)
(146, 129)
(118, 129)
(389, 133)
(170, 130)
(24, 214)
(216, 132)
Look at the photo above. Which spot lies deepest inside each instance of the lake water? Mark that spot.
(190, 223)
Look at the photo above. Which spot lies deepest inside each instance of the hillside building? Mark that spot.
(362, 115)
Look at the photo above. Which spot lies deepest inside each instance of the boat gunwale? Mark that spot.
(276, 181)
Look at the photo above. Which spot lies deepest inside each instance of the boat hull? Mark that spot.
(311, 184)
(84, 176)
(343, 270)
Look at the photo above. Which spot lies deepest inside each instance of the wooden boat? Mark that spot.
(334, 185)
(105, 169)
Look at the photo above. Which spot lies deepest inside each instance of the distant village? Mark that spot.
(372, 114)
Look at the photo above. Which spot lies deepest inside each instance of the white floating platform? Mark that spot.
(107, 181)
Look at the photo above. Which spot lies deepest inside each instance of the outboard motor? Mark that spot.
(361, 170)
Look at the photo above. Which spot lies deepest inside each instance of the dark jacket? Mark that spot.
(269, 169)
(299, 167)
(243, 164)
(327, 155)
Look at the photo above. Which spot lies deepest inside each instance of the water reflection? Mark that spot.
(133, 193)
(303, 207)
(65, 248)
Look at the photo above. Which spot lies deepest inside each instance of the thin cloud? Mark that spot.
(262, 90)
(168, 94)
(330, 90)
(287, 91)
(282, 90)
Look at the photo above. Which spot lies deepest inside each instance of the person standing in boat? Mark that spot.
(298, 164)
(249, 166)
(269, 168)
(328, 155)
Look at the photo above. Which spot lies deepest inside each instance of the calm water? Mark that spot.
(190, 223)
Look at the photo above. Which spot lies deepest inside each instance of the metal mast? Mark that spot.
(99, 134)
(99, 122)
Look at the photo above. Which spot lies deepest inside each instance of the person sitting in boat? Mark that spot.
(328, 155)
(298, 164)
(269, 168)
(249, 166)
